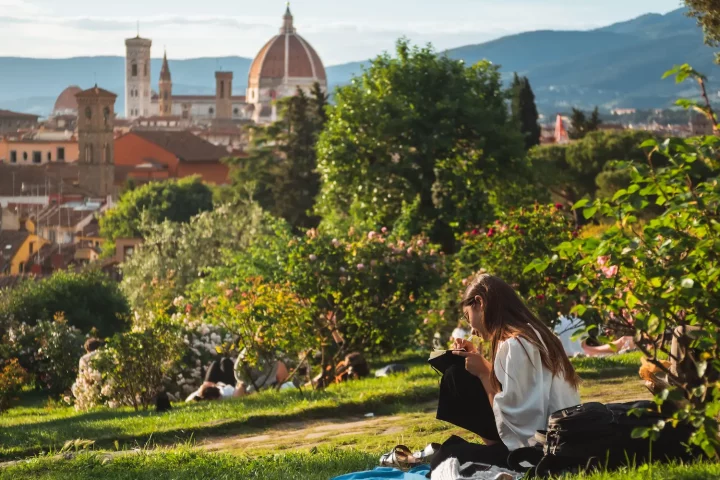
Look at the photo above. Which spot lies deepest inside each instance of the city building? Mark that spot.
(37, 152)
(11, 122)
(155, 155)
(137, 77)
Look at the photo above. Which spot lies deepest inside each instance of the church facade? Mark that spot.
(284, 64)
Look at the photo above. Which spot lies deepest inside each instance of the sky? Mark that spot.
(340, 30)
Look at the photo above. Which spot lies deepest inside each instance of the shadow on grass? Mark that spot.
(51, 435)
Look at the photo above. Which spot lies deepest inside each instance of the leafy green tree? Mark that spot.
(581, 125)
(89, 300)
(585, 167)
(418, 126)
(524, 110)
(173, 200)
(707, 13)
(174, 255)
(280, 173)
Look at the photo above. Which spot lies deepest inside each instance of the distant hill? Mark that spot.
(618, 65)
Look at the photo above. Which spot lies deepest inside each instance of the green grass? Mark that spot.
(36, 429)
(186, 464)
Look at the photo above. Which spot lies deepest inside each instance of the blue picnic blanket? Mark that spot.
(382, 473)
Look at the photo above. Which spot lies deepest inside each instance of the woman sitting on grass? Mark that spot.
(505, 399)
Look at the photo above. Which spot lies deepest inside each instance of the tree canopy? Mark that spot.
(155, 202)
(418, 131)
(280, 172)
(581, 125)
(524, 110)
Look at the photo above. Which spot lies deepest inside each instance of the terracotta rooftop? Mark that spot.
(17, 115)
(286, 55)
(184, 145)
(95, 92)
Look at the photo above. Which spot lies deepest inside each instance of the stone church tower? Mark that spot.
(223, 95)
(165, 99)
(137, 77)
(96, 162)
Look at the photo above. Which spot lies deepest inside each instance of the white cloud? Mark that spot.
(21, 7)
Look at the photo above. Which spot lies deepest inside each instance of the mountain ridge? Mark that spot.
(616, 65)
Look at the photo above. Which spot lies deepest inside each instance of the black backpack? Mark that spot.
(599, 436)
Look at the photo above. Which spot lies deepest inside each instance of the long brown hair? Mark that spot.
(504, 316)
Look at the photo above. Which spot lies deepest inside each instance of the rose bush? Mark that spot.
(662, 275)
(505, 248)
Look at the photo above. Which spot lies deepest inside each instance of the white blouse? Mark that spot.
(530, 393)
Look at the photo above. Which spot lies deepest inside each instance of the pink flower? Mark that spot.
(540, 296)
(371, 235)
(475, 232)
(465, 282)
(426, 321)
(188, 308)
(410, 251)
(610, 272)
(384, 230)
(312, 257)
(229, 292)
(335, 243)
(559, 206)
(420, 243)
(360, 266)
(432, 252)
(602, 260)
(491, 232)
(442, 313)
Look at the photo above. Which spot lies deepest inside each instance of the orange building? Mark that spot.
(38, 152)
(152, 155)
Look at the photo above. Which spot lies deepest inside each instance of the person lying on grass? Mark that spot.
(506, 398)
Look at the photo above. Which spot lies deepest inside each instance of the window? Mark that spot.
(21, 267)
(165, 95)
(147, 67)
(25, 156)
(236, 111)
(60, 156)
(88, 113)
(37, 157)
(32, 247)
(89, 153)
(134, 69)
(49, 156)
(106, 114)
(211, 110)
(13, 156)
(222, 88)
(128, 251)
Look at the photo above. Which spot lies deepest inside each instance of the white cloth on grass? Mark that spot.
(451, 469)
(530, 393)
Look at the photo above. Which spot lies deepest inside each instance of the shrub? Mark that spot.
(504, 249)
(48, 350)
(135, 364)
(88, 300)
(663, 274)
(12, 378)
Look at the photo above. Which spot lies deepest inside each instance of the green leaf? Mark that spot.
(620, 193)
(580, 203)
(631, 300)
(649, 143)
(589, 212)
(640, 432)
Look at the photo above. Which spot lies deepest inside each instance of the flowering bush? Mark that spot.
(89, 391)
(201, 344)
(504, 249)
(12, 379)
(49, 350)
(662, 275)
(134, 365)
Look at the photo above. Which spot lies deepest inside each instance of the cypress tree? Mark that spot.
(524, 111)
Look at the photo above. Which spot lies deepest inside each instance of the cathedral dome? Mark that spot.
(286, 58)
(66, 102)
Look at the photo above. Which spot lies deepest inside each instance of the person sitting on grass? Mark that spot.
(506, 398)
(219, 382)
(268, 373)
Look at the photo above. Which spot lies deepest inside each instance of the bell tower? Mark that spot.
(96, 162)
(137, 77)
(165, 101)
(223, 95)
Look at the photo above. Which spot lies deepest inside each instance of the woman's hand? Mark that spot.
(462, 344)
(476, 364)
